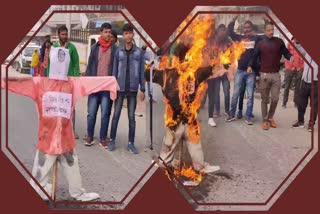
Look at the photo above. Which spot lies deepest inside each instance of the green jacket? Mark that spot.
(74, 67)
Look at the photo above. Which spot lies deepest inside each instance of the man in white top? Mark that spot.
(151, 59)
(305, 93)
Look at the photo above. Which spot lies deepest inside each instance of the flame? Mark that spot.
(225, 58)
(167, 174)
(187, 172)
(196, 36)
(232, 54)
(168, 117)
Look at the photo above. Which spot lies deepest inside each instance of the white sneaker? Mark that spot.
(90, 196)
(211, 122)
(156, 164)
(209, 169)
(89, 142)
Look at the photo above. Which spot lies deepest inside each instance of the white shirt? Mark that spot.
(149, 55)
(307, 71)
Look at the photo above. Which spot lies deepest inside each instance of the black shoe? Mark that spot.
(112, 145)
(310, 127)
(132, 148)
(298, 125)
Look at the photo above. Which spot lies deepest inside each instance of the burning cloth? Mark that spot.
(182, 77)
(181, 118)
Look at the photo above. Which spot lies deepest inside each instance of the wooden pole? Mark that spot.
(54, 180)
(180, 155)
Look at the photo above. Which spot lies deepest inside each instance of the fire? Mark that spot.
(169, 116)
(196, 36)
(232, 54)
(199, 54)
(225, 58)
(188, 173)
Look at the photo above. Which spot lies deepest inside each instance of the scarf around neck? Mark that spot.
(105, 45)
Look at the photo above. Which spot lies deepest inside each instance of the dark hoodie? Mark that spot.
(249, 42)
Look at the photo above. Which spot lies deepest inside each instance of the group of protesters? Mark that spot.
(106, 59)
(258, 69)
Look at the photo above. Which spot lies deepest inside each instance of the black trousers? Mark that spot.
(304, 97)
(290, 77)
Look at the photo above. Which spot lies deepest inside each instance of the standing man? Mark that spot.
(74, 69)
(270, 50)
(129, 70)
(304, 94)
(254, 32)
(220, 44)
(293, 70)
(149, 58)
(44, 64)
(243, 80)
(43, 48)
(100, 64)
(114, 37)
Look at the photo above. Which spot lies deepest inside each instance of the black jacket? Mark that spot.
(92, 66)
(250, 43)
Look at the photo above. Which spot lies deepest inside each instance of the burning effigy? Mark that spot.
(182, 76)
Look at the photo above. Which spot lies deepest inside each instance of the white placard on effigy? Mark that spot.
(56, 104)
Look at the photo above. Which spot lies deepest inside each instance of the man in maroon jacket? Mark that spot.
(270, 50)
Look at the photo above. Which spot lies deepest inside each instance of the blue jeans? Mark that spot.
(243, 81)
(226, 91)
(131, 105)
(101, 98)
(242, 95)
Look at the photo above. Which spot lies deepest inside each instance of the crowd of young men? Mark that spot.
(258, 69)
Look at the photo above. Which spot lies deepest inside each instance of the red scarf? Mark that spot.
(105, 45)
